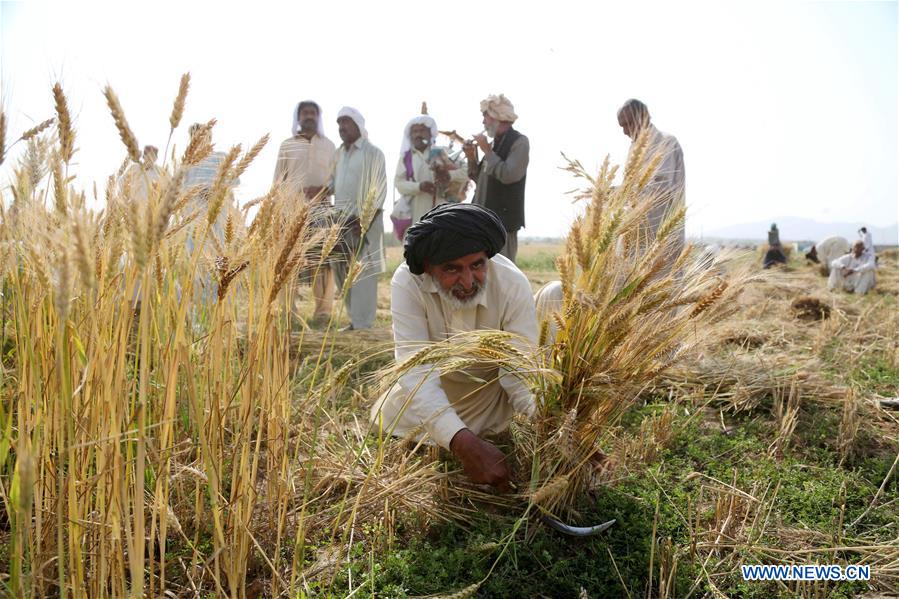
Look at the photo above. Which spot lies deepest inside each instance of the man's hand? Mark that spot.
(426, 186)
(483, 143)
(482, 462)
(471, 152)
(847, 271)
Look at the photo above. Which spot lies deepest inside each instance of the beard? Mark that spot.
(491, 130)
(457, 304)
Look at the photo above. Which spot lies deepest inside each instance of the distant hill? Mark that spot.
(804, 229)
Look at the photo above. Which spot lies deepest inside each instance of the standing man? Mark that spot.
(865, 235)
(501, 175)
(304, 166)
(668, 181)
(425, 174)
(203, 175)
(360, 187)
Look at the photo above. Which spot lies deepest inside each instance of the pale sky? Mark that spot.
(786, 109)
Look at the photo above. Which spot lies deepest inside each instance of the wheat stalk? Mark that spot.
(223, 179)
(2, 136)
(180, 100)
(703, 304)
(64, 124)
(167, 207)
(37, 129)
(200, 145)
(125, 133)
(550, 490)
(82, 254)
(60, 189)
(250, 156)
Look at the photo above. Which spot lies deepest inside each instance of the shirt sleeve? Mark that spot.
(868, 263)
(512, 169)
(404, 187)
(521, 320)
(474, 170)
(280, 166)
(430, 404)
(841, 262)
(332, 180)
(379, 179)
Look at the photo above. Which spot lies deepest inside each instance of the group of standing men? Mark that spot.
(352, 180)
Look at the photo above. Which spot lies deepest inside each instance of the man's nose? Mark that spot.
(466, 278)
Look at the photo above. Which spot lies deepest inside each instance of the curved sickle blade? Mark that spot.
(576, 531)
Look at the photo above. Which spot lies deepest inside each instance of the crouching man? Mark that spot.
(853, 272)
(454, 280)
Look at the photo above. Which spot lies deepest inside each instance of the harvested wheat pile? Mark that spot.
(810, 308)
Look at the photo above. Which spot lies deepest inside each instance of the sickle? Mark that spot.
(576, 531)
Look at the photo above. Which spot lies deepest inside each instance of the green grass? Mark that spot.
(450, 558)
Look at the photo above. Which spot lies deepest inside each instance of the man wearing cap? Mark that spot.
(501, 175)
(304, 168)
(454, 280)
(360, 187)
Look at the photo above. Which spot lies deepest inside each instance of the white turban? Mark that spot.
(419, 120)
(319, 126)
(499, 107)
(357, 118)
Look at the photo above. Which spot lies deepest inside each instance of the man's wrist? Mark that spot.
(461, 440)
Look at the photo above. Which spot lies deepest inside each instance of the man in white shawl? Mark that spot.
(425, 172)
(853, 272)
(304, 166)
(360, 187)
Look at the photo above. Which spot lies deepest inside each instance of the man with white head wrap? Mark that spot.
(305, 159)
(424, 172)
(304, 165)
(501, 175)
(865, 235)
(360, 187)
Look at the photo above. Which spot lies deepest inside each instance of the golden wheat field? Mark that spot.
(173, 426)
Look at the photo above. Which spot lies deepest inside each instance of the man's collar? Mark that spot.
(356, 144)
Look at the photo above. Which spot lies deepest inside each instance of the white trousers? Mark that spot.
(857, 282)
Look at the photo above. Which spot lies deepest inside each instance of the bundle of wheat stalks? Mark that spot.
(156, 436)
(634, 305)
